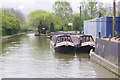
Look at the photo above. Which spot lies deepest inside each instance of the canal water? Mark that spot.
(29, 56)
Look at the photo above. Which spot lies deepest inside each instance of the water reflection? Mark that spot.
(30, 56)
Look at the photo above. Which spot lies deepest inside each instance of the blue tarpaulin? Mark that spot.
(103, 25)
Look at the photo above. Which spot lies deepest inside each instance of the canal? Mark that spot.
(29, 56)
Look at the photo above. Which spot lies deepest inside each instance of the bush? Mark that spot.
(10, 24)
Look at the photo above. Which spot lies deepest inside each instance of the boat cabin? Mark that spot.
(61, 38)
(84, 39)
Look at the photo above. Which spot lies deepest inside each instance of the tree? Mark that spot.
(43, 19)
(109, 10)
(63, 10)
(0, 22)
(10, 24)
(39, 27)
(92, 9)
(76, 22)
(52, 27)
(89, 9)
(101, 10)
(18, 14)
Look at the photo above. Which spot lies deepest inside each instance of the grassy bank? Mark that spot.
(12, 36)
(43, 34)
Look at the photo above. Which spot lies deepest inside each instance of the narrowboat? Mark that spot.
(53, 34)
(84, 43)
(62, 44)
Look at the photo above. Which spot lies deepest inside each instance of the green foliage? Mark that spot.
(13, 21)
(101, 11)
(51, 27)
(0, 22)
(63, 10)
(76, 22)
(18, 14)
(10, 24)
(90, 9)
(93, 9)
(41, 19)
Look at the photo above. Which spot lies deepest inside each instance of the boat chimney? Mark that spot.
(99, 35)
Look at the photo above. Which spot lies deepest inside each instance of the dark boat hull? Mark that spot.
(84, 49)
(65, 49)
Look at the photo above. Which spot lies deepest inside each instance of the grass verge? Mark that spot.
(11, 36)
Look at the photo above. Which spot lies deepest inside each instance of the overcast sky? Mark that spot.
(26, 6)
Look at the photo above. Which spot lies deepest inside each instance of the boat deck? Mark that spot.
(112, 39)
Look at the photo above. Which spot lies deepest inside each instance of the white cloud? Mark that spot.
(0, 5)
(26, 6)
(21, 7)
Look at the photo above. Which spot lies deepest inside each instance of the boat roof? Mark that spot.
(86, 35)
(61, 35)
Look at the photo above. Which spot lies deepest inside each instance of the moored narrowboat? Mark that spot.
(84, 43)
(62, 44)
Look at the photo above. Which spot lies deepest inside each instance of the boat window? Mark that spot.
(65, 38)
(69, 39)
(87, 39)
(61, 39)
(84, 39)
